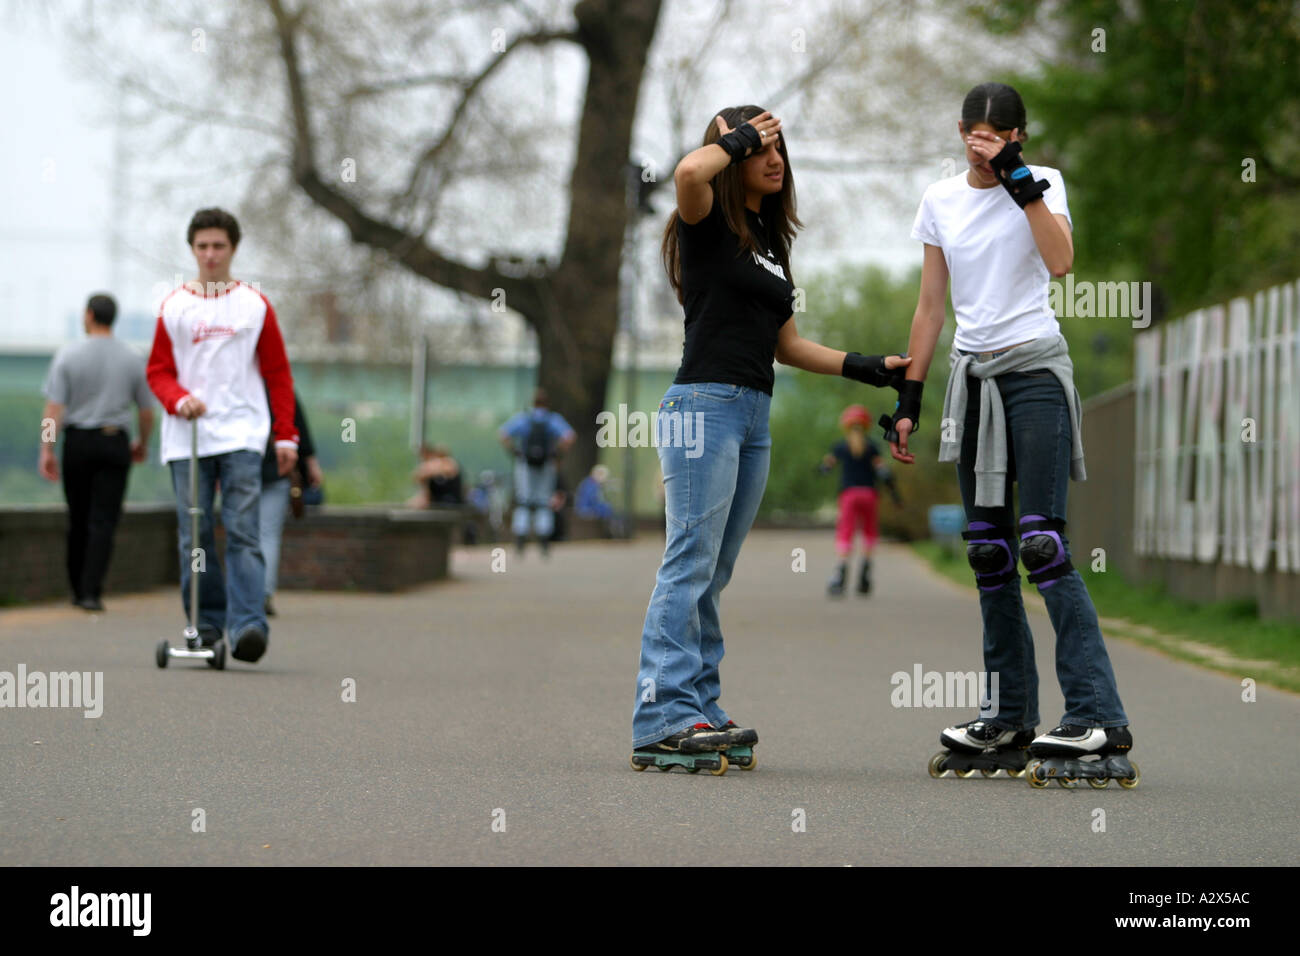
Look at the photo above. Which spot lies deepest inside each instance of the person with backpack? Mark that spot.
(535, 439)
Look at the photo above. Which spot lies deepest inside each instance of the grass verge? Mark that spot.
(1227, 636)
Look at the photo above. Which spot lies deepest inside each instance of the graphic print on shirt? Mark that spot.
(202, 331)
(770, 266)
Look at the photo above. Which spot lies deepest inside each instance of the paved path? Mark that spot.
(512, 692)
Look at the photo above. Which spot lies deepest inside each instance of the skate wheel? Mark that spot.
(749, 764)
(1016, 773)
(1128, 783)
(969, 772)
(989, 773)
(638, 767)
(1066, 783)
(692, 769)
(1031, 774)
(665, 767)
(722, 766)
(936, 764)
(160, 654)
(1098, 783)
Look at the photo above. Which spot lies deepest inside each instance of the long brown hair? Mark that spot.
(777, 209)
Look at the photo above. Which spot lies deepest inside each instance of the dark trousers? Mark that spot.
(95, 469)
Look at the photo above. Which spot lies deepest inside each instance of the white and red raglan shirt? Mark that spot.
(220, 347)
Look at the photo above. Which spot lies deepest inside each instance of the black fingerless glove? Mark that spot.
(871, 370)
(1016, 177)
(909, 406)
(740, 141)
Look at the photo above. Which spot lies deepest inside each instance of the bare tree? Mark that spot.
(396, 118)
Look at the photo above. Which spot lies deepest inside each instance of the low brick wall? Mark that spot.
(366, 549)
(33, 552)
(362, 549)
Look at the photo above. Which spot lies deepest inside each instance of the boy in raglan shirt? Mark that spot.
(216, 342)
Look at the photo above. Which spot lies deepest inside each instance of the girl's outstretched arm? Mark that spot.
(927, 320)
(798, 352)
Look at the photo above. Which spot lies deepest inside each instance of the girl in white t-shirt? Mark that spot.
(998, 230)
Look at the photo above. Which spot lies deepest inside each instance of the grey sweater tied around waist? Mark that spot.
(1051, 353)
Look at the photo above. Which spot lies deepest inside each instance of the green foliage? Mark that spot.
(1148, 614)
(858, 310)
(1152, 134)
(866, 310)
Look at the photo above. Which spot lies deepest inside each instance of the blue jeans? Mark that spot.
(715, 471)
(534, 486)
(1039, 441)
(240, 602)
(273, 505)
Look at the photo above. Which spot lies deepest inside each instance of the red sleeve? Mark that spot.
(274, 365)
(161, 370)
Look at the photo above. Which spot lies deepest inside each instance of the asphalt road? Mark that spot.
(492, 725)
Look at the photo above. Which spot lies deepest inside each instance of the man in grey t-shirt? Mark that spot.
(89, 391)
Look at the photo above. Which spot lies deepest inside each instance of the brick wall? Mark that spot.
(362, 549)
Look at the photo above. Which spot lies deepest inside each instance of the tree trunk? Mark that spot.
(580, 316)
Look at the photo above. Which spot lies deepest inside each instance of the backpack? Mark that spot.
(537, 443)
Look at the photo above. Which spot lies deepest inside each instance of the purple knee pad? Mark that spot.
(988, 550)
(1042, 551)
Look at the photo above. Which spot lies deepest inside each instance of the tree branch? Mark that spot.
(404, 83)
(431, 154)
(410, 250)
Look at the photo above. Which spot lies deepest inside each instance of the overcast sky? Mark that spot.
(57, 169)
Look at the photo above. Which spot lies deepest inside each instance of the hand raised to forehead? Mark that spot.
(764, 123)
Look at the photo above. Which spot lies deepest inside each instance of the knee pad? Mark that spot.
(988, 549)
(1042, 551)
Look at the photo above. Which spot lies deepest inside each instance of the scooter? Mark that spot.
(215, 655)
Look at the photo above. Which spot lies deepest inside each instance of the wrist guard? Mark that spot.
(740, 142)
(871, 370)
(1016, 177)
(909, 406)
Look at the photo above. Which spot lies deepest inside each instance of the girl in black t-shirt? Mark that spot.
(727, 252)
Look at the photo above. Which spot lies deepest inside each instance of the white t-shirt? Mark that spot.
(999, 279)
(226, 349)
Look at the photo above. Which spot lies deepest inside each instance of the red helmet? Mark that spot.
(855, 415)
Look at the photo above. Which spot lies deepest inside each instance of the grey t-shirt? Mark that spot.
(96, 380)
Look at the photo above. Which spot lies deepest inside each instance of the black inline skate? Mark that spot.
(702, 747)
(1095, 754)
(835, 587)
(977, 745)
(740, 745)
(864, 578)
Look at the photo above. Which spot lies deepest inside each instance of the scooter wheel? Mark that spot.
(160, 655)
(218, 659)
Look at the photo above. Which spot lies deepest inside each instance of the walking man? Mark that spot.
(89, 390)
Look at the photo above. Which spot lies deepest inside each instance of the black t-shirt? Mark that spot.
(444, 490)
(735, 305)
(856, 472)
